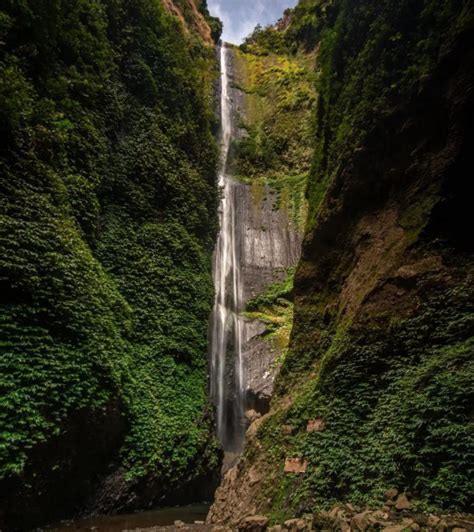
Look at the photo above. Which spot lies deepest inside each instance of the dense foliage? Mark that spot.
(396, 404)
(107, 221)
(395, 392)
(373, 56)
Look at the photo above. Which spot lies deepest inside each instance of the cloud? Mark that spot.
(241, 16)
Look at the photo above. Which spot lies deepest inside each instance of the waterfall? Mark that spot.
(227, 367)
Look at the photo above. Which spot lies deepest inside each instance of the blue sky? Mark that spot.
(241, 16)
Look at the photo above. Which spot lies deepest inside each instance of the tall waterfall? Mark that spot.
(227, 367)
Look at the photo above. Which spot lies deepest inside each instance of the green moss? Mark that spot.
(279, 96)
(415, 218)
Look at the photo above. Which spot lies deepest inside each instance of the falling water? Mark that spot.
(227, 369)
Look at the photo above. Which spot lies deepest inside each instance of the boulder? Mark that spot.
(362, 521)
(338, 512)
(254, 476)
(316, 425)
(323, 521)
(252, 415)
(408, 522)
(296, 525)
(254, 523)
(296, 465)
(442, 525)
(433, 520)
(380, 516)
(402, 503)
(344, 526)
(391, 494)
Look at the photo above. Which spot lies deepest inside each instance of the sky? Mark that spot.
(241, 16)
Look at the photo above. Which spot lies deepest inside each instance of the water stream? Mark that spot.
(144, 520)
(227, 367)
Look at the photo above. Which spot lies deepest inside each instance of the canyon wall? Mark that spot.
(269, 238)
(376, 389)
(258, 244)
(108, 216)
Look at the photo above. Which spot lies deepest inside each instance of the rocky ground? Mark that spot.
(339, 519)
(396, 516)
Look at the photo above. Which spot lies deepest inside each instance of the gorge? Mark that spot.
(237, 276)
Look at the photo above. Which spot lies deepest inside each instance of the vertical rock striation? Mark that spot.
(256, 246)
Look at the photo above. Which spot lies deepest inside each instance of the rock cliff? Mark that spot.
(377, 387)
(266, 245)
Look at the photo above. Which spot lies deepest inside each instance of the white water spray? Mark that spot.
(227, 367)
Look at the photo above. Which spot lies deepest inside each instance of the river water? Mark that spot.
(117, 523)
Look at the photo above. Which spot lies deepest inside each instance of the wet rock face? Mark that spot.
(268, 244)
(256, 246)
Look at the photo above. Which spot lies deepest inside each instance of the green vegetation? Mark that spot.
(108, 205)
(396, 406)
(276, 149)
(107, 223)
(395, 392)
(373, 57)
(274, 308)
(214, 23)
